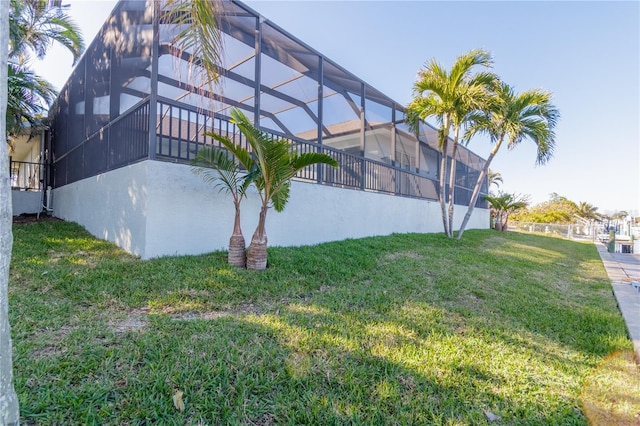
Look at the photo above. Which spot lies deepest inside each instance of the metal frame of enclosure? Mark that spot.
(134, 97)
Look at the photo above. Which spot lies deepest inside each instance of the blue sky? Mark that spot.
(586, 53)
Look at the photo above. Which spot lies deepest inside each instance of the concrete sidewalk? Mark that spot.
(624, 271)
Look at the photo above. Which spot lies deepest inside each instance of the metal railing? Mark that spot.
(181, 132)
(25, 175)
(123, 141)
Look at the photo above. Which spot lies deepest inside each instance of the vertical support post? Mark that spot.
(153, 98)
(258, 68)
(393, 135)
(362, 137)
(394, 162)
(320, 167)
(417, 164)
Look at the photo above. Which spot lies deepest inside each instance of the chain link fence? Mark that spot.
(627, 238)
(570, 231)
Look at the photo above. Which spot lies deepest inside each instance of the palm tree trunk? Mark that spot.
(237, 250)
(506, 222)
(257, 252)
(498, 223)
(452, 181)
(443, 185)
(9, 409)
(476, 189)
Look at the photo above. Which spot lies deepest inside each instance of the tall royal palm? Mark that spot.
(273, 164)
(514, 118)
(450, 97)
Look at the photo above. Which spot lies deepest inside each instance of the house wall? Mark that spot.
(155, 209)
(111, 206)
(26, 202)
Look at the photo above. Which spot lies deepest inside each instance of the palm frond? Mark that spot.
(301, 161)
(464, 63)
(243, 156)
(28, 97)
(218, 166)
(198, 24)
(35, 24)
(281, 197)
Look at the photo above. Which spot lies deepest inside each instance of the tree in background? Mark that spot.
(587, 211)
(622, 214)
(218, 166)
(503, 205)
(495, 179)
(558, 209)
(272, 165)
(28, 99)
(450, 97)
(513, 118)
(34, 25)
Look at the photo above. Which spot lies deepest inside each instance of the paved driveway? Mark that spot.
(624, 273)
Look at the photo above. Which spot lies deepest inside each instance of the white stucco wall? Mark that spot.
(154, 209)
(29, 202)
(111, 206)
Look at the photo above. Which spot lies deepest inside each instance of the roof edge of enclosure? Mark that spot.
(133, 96)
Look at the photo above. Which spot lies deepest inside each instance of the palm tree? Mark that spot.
(35, 24)
(495, 178)
(450, 97)
(503, 205)
(198, 33)
(218, 166)
(587, 211)
(514, 118)
(28, 98)
(622, 214)
(271, 165)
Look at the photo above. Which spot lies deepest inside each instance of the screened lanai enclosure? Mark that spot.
(135, 99)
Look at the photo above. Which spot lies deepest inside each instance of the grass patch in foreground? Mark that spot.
(611, 395)
(404, 329)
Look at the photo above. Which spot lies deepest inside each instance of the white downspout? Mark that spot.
(41, 173)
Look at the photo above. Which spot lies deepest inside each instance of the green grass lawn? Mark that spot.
(405, 329)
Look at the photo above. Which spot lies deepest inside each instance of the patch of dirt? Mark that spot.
(266, 419)
(245, 309)
(135, 321)
(48, 351)
(398, 255)
(33, 218)
(56, 336)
